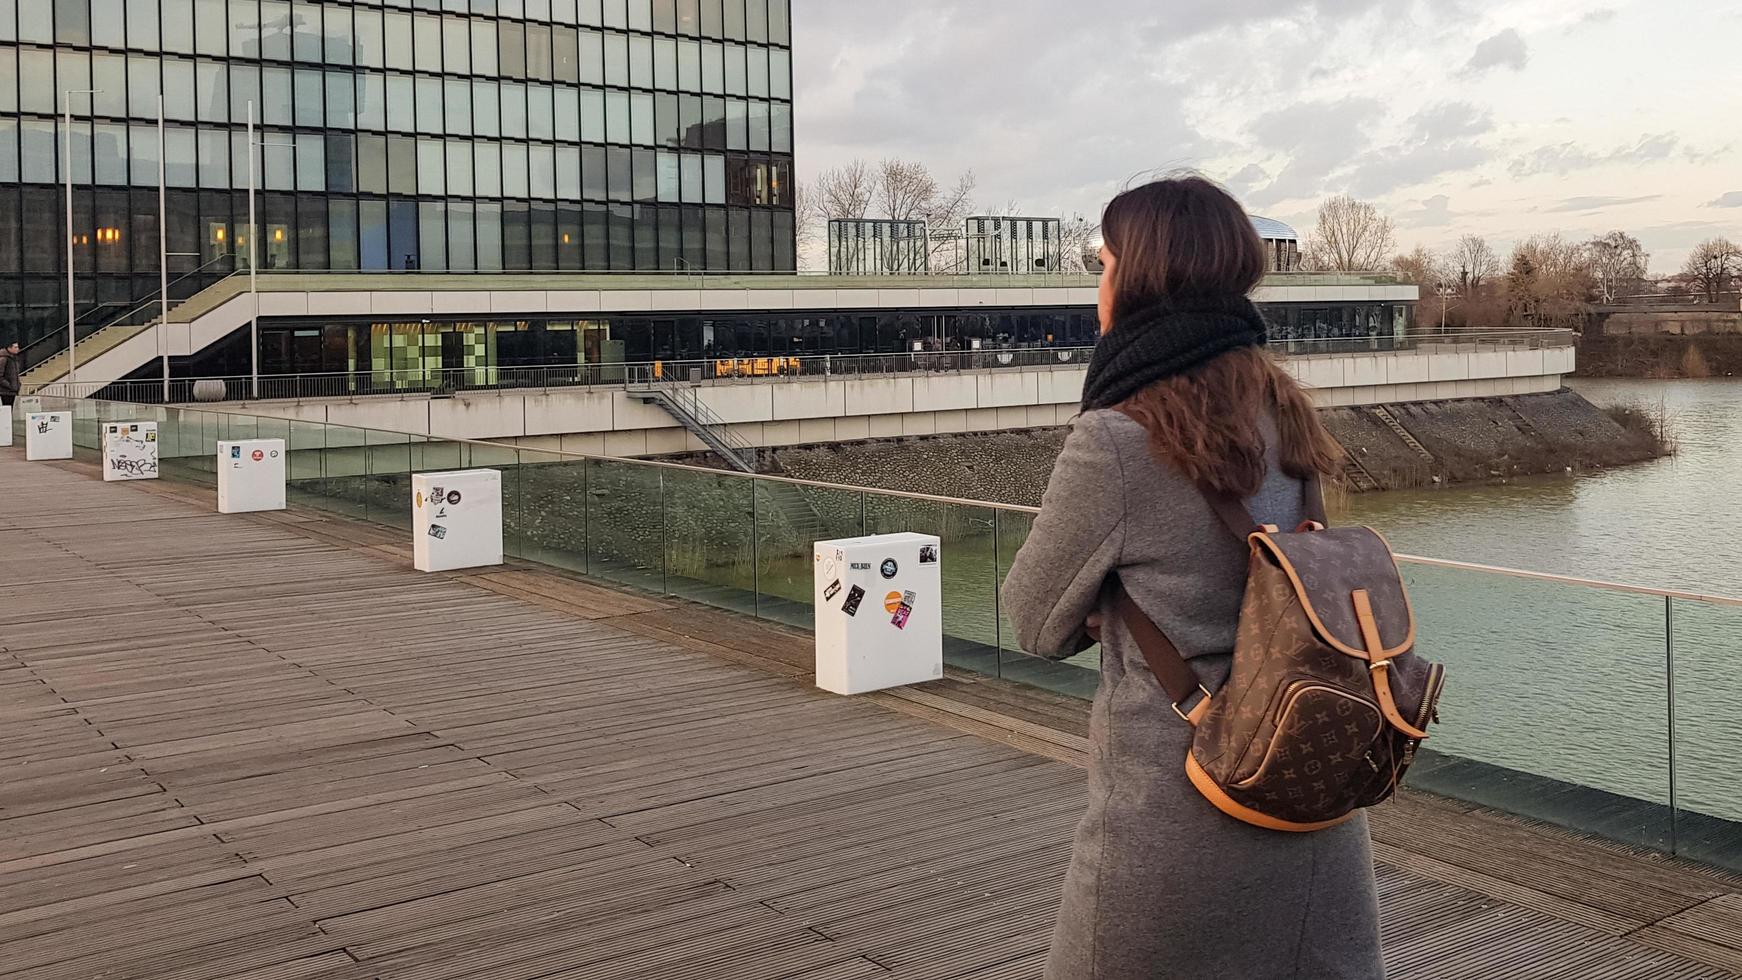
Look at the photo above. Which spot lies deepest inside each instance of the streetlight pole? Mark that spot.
(72, 298)
(163, 249)
(253, 273)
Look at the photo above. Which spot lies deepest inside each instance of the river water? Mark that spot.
(1573, 683)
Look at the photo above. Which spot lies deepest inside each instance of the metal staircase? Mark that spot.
(684, 404)
(1390, 421)
(1356, 477)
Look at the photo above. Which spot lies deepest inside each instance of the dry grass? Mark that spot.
(1643, 420)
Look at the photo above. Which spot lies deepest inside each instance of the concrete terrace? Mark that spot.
(263, 748)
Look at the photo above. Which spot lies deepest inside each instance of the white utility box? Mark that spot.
(250, 476)
(879, 612)
(456, 520)
(129, 451)
(48, 435)
(5, 426)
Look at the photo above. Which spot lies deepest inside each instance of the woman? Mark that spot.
(1180, 402)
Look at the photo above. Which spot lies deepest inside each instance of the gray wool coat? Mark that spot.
(1161, 883)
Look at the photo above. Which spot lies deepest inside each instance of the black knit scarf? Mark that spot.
(1164, 340)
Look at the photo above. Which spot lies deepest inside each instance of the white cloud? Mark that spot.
(1728, 199)
(1503, 50)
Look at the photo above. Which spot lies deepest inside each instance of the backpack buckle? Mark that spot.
(1190, 717)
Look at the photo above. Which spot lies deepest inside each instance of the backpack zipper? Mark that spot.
(1287, 706)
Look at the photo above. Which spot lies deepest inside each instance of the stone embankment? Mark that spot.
(1389, 447)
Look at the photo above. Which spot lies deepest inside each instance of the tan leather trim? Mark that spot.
(1313, 616)
(1197, 714)
(1244, 814)
(1388, 705)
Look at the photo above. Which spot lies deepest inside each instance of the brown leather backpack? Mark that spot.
(1327, 701)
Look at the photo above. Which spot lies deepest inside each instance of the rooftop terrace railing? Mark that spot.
(729, 369)
(1606, 707)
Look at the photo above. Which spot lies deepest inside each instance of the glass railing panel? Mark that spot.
(623, 527)
(387, 477)
(1556, 702)
(968, 570)
(504, 459)
(790, 520)
(1708, 730)
(710, 539)
(552, 522)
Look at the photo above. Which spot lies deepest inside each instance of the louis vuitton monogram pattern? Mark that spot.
(1297, 734)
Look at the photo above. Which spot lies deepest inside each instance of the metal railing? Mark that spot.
(144, 311)
(1604, 706)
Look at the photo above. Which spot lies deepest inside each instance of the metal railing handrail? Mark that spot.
(1655, 592)
(152, 299)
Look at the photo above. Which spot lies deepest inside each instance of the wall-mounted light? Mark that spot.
(278, 234)
(218, 234)
(565, 238)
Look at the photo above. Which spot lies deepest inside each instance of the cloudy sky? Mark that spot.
(1456, 116)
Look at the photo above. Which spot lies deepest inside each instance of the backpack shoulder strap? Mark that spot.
(1177, 677)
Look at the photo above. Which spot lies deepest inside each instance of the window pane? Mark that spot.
(275, 98)
(734, 19)
(108, 22)
(539, 122)
(641, 62)
(306, 31)
(372, 235)
(456, 46)
(311, 162)
(341, 163)
(759, 72)
(640, 15)
(398, 28)
(371, 40)
(431, 167)
(513, 109)
(737, 124)
(486, 109)
(665, 16)
(460, 168)
(244, 92)
(592, 58)
(714, 179)
(511, 61)
(758, 126)
(689, 66)
(568, 173)
(426, 35)
(212, 90)
(178, 89)
(756, 20)
(566, 57)
(616, 59)
(487, 168)
(460, 242)
(713, 67)
(401, 103)
(429, 104)
(514, 179)
(592, 116)
(372, 164)
(714, 123)
(310, 94)
(75, 75)
(668, 177)
(692, 178)
(109, 148)
(541, 168)
(690, 120)
(666, 131)
(780, 74)
(713, 18)
(401, 165)
(644, 175)
(36, 81)
(489, 237)
(108, 73)
(275, 30)
(181, 151)
(617, 117)
(341, 95)
(538, 52)
(780, 124)
(211, 27)
(735, 72)
(459, 106)
(779, 22)
(141, 25)
(568, 115)
(142, 86)
(342, 234)
(371, 102)
(641, 118)
(37, 142)
(432, 235)
(616, 13)
(340, 48)
(244, 29)
(593, 185)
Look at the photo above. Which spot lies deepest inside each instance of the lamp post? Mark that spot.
(254, 265)
(72, 299)
(163, 249)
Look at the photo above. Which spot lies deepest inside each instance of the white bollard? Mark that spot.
(5, 426)
(48, 435)
(456, 520)
(129, 451)
(250, 476)
(879, 612)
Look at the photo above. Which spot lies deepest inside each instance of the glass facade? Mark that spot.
(307, 345)
(453, 135)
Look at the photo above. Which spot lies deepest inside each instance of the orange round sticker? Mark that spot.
(892, 603)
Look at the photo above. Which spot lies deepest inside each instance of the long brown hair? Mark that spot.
(1184, 237)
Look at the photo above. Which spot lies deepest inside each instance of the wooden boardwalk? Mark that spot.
(262, 748)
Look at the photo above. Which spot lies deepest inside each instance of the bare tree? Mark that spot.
(842, 192)
(1477, 265)
(1352, 236)
(1618, 263)
(1076, 234)
(1432, 273)
(1550, 284)
(1713, 268)
(907, 191)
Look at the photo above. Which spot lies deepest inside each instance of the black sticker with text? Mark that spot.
(833, 590)
(855, 595)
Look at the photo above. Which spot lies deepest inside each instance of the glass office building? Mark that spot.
(452, 135)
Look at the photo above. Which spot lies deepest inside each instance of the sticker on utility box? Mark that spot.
(855, 595)
(903, 611)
